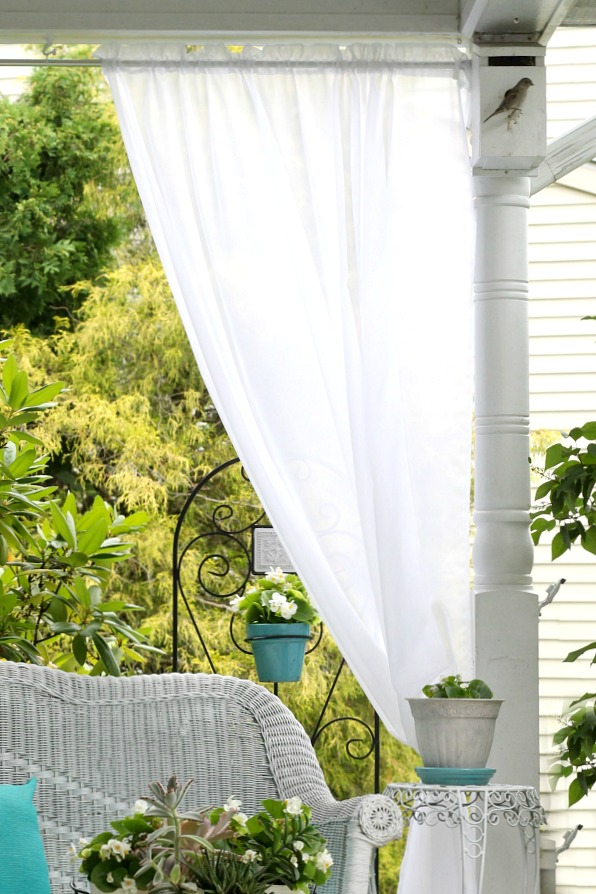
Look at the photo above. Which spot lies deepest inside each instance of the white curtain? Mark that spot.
(312, 209)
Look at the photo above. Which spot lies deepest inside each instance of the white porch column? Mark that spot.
(506, 620)
(506, 607)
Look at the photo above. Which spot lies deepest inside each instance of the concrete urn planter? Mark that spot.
(455, 732)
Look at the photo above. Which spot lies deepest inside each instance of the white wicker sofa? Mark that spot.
(94, 744)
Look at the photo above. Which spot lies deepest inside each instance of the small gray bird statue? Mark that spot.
(513, 99)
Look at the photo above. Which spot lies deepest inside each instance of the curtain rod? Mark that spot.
(53, 63)
(212, 63)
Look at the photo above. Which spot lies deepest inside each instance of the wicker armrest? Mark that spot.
(378, 818)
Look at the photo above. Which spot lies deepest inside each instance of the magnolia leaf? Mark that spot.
(19, 391)
(106, 655)
(9, 371)
(79, 649)
(63, 528)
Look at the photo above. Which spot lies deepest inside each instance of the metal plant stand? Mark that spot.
(222, 543)
(473, 809)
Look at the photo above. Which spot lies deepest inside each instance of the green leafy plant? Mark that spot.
(565, 496)
(576, 740)
(277, 598)
(163, 849)
(565, 502)
(55, 563)
(454, 687)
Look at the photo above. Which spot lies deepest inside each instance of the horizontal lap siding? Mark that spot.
(562, 256)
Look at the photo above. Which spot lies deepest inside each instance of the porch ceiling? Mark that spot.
(68, 21)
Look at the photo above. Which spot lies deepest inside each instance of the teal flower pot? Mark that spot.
(278, 650)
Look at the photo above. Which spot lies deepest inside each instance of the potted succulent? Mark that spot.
(455, 723)
(162, 849)
(278, 614)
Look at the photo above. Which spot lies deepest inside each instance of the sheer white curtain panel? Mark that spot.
(312, 209)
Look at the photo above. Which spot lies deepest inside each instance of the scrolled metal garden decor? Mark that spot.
(216, 565)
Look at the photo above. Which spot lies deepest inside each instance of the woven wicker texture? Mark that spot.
(94, 744)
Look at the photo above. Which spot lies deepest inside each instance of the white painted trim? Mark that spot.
(564, 155)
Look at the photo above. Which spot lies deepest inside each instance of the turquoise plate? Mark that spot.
(455, 775)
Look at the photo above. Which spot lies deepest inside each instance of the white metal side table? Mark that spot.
(474, 809)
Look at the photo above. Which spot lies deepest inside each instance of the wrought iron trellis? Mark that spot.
(223, 546)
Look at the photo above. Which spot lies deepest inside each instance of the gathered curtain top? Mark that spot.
(446, 56)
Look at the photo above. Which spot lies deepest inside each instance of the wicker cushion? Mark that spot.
(22, 860)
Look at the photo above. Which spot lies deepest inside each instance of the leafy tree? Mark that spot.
(67, 198)
(55, 563)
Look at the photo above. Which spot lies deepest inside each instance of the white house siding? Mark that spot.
(562, 256)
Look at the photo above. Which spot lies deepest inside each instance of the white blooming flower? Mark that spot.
(235, 602)
(232, 805)
(105, 851)
(141, 806)
(306, 858)
(109, 878)
(324, 860)
(288, 610)
(298, 845)
(276, 575)
(241, 818)
(293, 806)
(119, 848)
(83, 842)
(250, 856)
(277, 602)
(294, 860)
(129, 884)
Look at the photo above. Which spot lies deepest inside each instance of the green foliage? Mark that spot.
(67, 199)
(276, 598)
(566, 493)
(170, 850)
(567, 505)
(453, 687)
(55, 562)
(576, 741)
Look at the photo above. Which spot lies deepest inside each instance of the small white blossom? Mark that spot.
(105, 852)
(83, 842)
(241, 818)
(298, 845)
(141, 806)
(250, 856)
(306, 858)
(73, 850)
(276, 575)
(288, 610)
(129, 884)
(324, 860)
(293, 806)
(118, 848)
(109, 878)
(235, 602)
(276, 603)
(294, 860)
(232, 805)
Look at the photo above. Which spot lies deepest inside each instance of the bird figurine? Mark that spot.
(512, 101)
